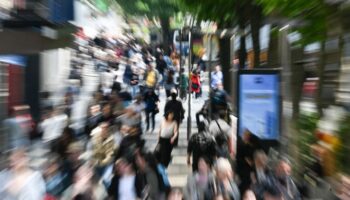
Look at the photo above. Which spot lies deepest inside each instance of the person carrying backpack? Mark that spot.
(201, 144)
(222, 132)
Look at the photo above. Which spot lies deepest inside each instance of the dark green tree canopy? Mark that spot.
(150, 8)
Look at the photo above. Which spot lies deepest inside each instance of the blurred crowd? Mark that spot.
(108, 158)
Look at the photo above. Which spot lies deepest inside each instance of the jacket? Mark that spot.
(103, 150)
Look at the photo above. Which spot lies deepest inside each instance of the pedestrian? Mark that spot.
(183, 84)
(116, 104)
(61, 144)
(134, 82)
(223, 134)
(161, 66)
(54, 178)
(195, 83)
(261, 174)
(224, 186)
(86, 186)
(201, 144)
(169, 83)
(107, 114)
(167, 135)
(284, 182)
(130, 143)
(198, 182)
(93, 119)
(126, 184)
(52, 127)
(19, 181)
(247, 145)
(151, 77)
(15, 134)
(128, 73)
(103, 148)
(147, 167)
(175, 194)
(216, 77)
(175, 106)
(152, 108)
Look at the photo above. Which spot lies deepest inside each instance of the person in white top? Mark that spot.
(20, 181)
(53, 126)
(167, 135)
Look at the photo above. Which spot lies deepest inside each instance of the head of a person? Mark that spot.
(260, 159)
(18, 159)
(175, 194)
(173, 94)
(106, 110)
(74, 151)
(224, 169)
(283, 168)
(124, 166)
(217, 68)
(246, 137)
(124, 129)
(169, 116)
(67, 134)
(95, 109)
(138, 98)
(104, 130)
(201, 127)
(203, 165)
(249, 195)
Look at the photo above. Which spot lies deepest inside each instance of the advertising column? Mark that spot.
(259, 104)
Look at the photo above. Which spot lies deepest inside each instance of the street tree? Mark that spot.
(160, 9)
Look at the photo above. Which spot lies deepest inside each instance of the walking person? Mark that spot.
(199, 181)
(151, 77)
(195, 84)
(175, 106)
(201, 144)
(169, 83)
(216, 77)
(183, 84)
(134, 82)
(167, 135)
(151, 100)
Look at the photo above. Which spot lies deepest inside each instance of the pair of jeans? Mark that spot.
(152, 115)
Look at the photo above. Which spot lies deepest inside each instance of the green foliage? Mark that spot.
(312, 15)
(343, 149)
(220, 11)
(306, 126)
(150, 8)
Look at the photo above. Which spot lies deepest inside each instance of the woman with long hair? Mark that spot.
(167, 135)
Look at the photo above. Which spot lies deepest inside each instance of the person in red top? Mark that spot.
(195, 83)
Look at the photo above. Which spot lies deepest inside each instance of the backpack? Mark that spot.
(221, 138)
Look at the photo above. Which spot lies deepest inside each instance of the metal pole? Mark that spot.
(209, 70)
(189, 120)
(180, 73)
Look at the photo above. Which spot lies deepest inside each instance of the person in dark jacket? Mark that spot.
(200, 145)
(126, 183)
(175, 106)
(151, 100)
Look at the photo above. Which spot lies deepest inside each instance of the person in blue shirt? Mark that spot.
(216, 77)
